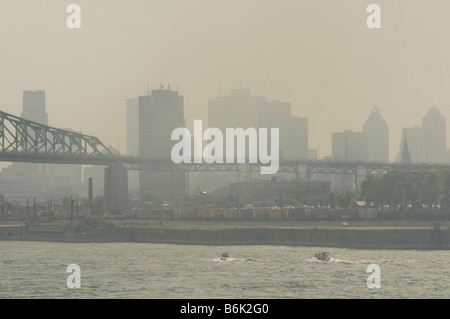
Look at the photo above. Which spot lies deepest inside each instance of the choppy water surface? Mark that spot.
(140, 270)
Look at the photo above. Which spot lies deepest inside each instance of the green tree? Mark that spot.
(345, 199)
(432, 188)
(370, 190)
(445, 202)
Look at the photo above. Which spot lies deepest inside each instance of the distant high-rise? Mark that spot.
(159, 114)
(348, 146)
(377, 137)
(415, 144)
(241, 109)
(270, 113)
(434, 136)
(293, 130)
(20, 181)
(313, 154)
(34, 107)
(294, 138)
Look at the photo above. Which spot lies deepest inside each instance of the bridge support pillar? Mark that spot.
(116, 190)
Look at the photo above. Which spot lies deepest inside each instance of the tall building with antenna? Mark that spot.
(159, 114)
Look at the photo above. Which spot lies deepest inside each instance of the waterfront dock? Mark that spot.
(434, 235)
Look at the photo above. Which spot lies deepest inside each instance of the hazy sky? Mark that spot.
(317, 54)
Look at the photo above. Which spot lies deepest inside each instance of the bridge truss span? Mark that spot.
(27, 141)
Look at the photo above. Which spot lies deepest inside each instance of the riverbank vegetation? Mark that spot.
(401, 190)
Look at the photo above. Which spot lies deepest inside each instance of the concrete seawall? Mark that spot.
(361, 238)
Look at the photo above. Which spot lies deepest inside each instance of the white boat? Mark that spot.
(224, 256)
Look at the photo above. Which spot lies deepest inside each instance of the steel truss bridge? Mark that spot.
(22, 140)
(307, 169)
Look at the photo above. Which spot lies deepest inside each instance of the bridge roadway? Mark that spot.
(300, 167)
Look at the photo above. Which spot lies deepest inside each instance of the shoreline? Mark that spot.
(419, 237)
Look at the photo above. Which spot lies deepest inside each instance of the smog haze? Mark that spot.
(318, 55)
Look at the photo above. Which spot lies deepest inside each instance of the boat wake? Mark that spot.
(225, 260)
(337, 260)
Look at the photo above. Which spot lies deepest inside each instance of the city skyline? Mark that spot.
(211, 149)
(319, 56)
(131, 104)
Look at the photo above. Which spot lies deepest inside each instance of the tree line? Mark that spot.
(408, 190)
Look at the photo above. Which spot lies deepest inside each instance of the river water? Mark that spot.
(164, 271)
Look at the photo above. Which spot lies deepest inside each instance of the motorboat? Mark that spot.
(224, 256)
(324, 256)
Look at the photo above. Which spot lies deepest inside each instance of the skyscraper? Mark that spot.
(348, 146)
(34, 107)
(377, 137)
(241, 109)
(434, 136)
(293, 130)
(27, 180)
(294, 138)
(159, 114)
